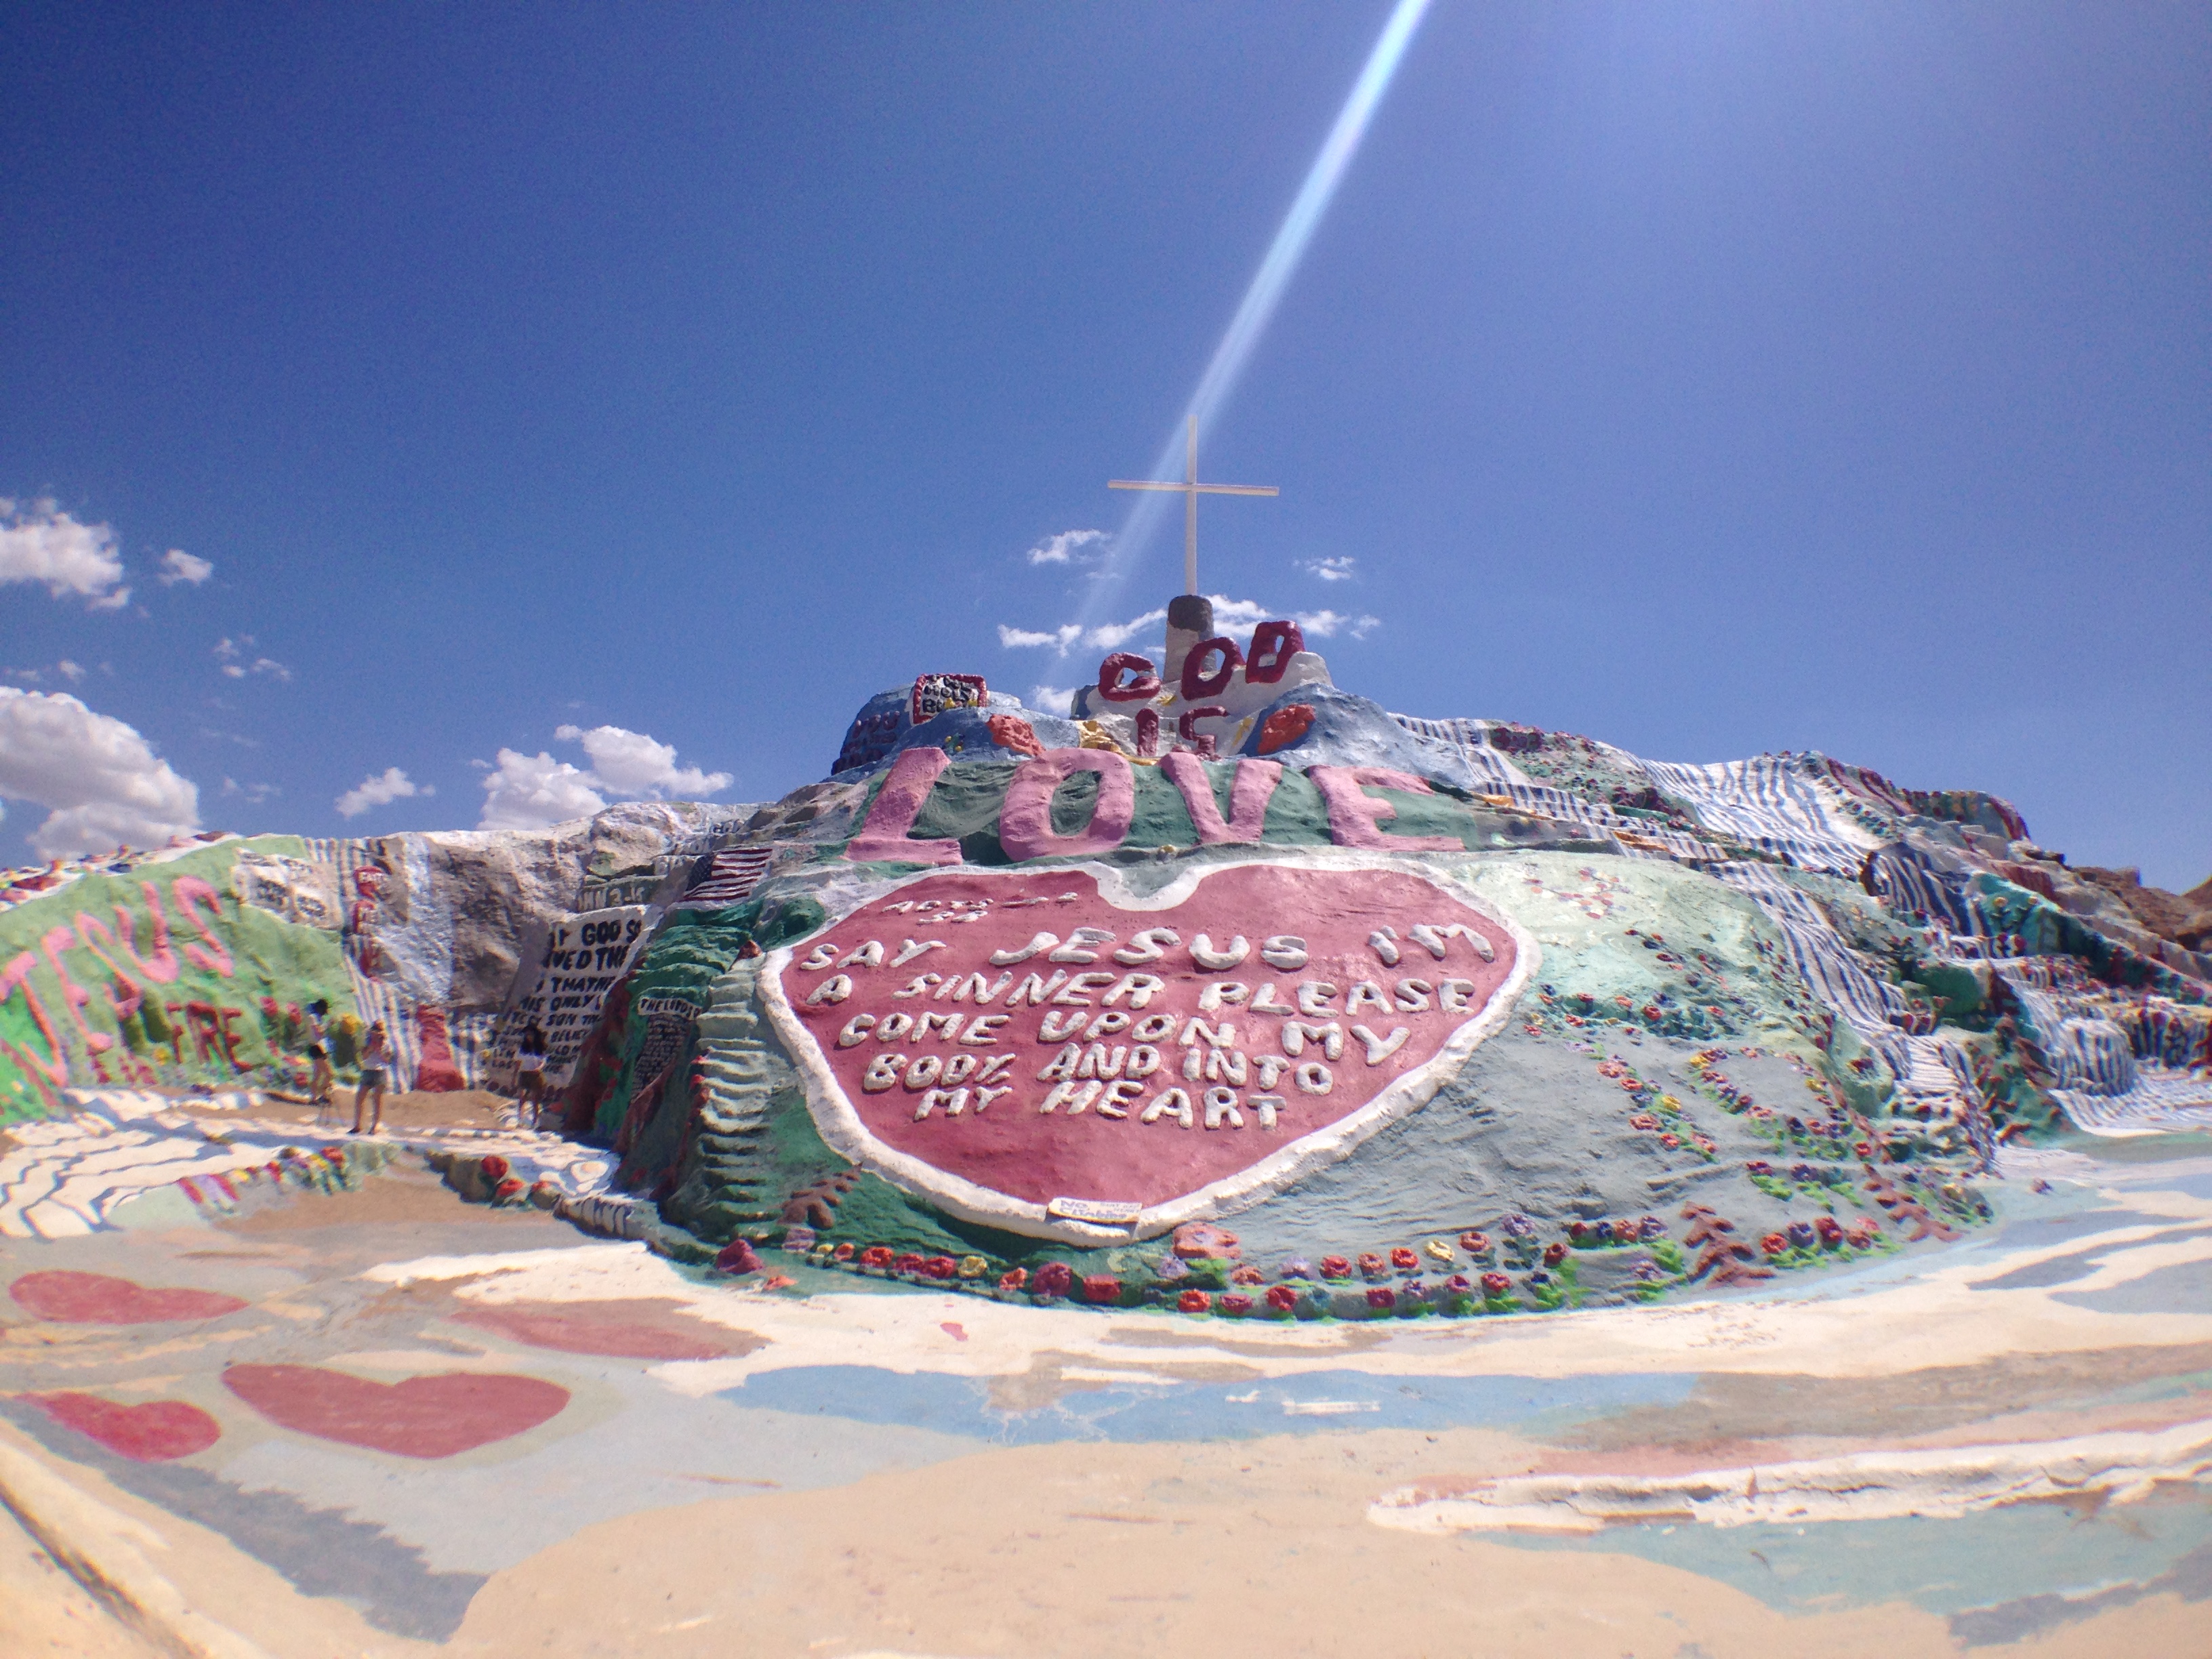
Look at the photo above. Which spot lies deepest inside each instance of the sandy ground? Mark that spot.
(468, 1109)
(46, 1614)
(680, 1506)
(1260, 1549)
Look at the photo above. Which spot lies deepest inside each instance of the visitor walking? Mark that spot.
(529, 1078)
(375, 1061)
(318, 1052)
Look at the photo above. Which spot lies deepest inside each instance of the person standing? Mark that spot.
(529, 1077)
(375, 1061)
(318, 1052)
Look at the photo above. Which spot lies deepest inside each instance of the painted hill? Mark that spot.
(1234, 992)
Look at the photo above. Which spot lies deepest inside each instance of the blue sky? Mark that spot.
(1708, 378)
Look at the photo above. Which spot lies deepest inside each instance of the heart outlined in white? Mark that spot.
(843, 1128)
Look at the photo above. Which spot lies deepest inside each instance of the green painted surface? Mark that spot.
(199, 963)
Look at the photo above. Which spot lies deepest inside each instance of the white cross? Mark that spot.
(1191, 489)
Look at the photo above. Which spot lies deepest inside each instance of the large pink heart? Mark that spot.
(1033, 1050)
(420, 1417)
(74, 1298)
(154, 1431)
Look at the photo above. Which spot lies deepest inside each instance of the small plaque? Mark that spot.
(1100, 1212)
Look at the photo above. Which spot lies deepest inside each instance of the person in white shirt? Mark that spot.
(375, 1061)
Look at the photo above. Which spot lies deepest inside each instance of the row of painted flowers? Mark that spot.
(1332, 1287)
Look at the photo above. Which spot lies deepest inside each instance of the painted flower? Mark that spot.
(1475, 1243)
(1604, 1232)
(1190, 1302)
(1774, 1243)
(1335, 1267)
(1758, 1166)
(1438, 1250)
(1382, 1298)
(495, 1167)
(878, 1255)
(1829, 1229)
(974, 1267)
(1517, 1226)
(1650, 1271)
(1652, 1227)
(1281, 1299)
(1297, 1267)
(1248, 1274)
(1801, 1235)
(1554, 1253)
(843, 1253)
(1578, 1231)
(1372, 1266)
(1404, 1260)
(507, 1190)
(940, 1266)
(1054, 1278)
(1496, 1285)
(1459, 1284)
(908, 1262)
(1102, 1288)
(1013, 1279)
(1235, 1306)
(737, 1257)
(1172, 1269)
(1670, 1141)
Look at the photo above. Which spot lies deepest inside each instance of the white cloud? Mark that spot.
(1338, 570)
(29, 675)
(178, 566)
(1063, 637)
(230, 650)
(104, 784)
(390, 785)
(632, 763)
(40, 544)
(253, 793)
(1231, 615)
(71, 671)
(1051, 699)
(528, 791)
(1112, 636)
(1078, 546)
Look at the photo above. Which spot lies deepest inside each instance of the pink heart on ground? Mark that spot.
(156, 1431)
(421, 1417)
(623, 1330)
(74, 1298)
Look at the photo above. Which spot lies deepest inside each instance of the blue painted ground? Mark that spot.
(1312, 1402)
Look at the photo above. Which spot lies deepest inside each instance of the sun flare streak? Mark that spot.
(1266, 291)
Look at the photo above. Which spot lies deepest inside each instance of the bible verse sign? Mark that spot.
(1048, 1051)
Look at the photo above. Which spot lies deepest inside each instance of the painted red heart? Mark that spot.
(74, 1298)
(421, 1417)
(154, 1431)
(651, 1330)
(1043, 974)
